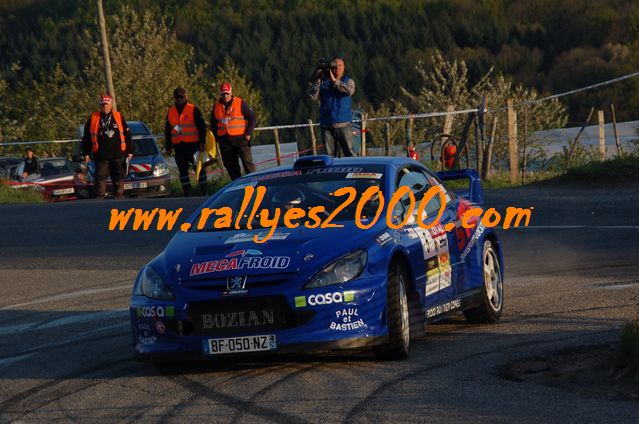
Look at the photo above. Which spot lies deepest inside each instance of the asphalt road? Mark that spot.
(65, 345)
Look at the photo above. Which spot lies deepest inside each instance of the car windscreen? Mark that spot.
(303, 189)
(54, 167)
(145, 147)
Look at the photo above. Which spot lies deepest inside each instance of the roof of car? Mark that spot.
(138, 128)
(350, 161)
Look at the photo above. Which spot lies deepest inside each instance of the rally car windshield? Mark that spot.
(304, 189)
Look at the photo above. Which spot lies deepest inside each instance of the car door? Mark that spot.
(423, 247)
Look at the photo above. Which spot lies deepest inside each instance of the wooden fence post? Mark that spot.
(488, 154)
(409, 132)
(602, 136)
(576, 140)
(363, 126)
(614, 128)
(313, 140)
(523, 165)
(513, 154)
(277, 146)
(387, 139)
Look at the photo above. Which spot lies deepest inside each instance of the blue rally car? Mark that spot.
(215, 292)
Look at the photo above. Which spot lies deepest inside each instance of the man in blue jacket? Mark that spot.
(336, 108)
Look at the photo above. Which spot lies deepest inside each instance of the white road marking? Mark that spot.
(47, 323)
(25, 354)
(67, 296)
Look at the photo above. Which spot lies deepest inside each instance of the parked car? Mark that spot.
(55, 180)
(6, 163)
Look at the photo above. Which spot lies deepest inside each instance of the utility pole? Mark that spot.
(105, 51)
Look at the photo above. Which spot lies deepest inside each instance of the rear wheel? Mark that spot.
(397, 316)
(492, 291)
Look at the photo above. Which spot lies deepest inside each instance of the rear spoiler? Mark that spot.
(475, 193)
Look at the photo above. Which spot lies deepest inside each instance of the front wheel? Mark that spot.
(397, 316)
(492, 291)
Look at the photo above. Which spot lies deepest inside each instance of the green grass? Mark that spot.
(630, 344)
(12, 195)
(212, 186)
(621, 168)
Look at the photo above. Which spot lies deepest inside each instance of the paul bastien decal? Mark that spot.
(346, 319)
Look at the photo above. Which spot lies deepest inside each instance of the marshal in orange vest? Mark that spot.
(183, 129)
(230, 122)
(95, 127)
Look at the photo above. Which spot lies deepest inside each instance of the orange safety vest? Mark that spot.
(95, 127)
(187, 130)
(230, 122)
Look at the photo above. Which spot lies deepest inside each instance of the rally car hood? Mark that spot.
(212, 255)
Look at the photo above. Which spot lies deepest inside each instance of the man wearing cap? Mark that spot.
(233, 122)
(108, 139)
(185, 132)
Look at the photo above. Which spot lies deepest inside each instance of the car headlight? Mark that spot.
(341, 271)
(152, 286)
(160, 169)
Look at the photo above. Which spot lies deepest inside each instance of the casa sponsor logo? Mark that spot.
(146, 333)
(443, 308)
(478, 232)
(155, 311)
(241, 259)
(324, 299)
(346, 319)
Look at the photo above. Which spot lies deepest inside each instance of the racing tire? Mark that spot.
(492, 299)
(397, 316)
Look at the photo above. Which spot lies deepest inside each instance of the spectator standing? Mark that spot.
(334, 89)
(185, 133)
(233, 122)
(108, 139)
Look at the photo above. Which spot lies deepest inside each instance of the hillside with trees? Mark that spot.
(51, 62)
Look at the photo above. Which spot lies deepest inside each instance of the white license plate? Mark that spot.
(61, 191)
(133, 186)
(239, 344)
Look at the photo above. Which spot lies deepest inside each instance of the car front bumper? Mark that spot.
(164, 330)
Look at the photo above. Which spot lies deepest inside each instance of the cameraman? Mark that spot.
(334, 91)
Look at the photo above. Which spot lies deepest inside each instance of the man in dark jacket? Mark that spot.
(31, 164)
(233, 122)
(185, 132)
(108, 139)
(336, 108)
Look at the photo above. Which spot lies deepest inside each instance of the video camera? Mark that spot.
(322, 69)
